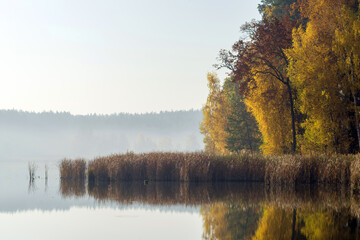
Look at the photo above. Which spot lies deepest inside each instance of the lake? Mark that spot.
(54, 209)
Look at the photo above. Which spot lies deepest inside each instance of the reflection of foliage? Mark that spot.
(276, 223)
(229, 221)
(326, 225)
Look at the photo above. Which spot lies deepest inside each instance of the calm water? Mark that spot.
(62, 210)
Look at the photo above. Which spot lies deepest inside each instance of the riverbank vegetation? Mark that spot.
(285, 171)
(296, 74)
(292, 96)
(73, 170)
(184, 167)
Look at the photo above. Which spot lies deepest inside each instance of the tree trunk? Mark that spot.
(356, 120)
(355, 102)
(292, 116)
(293, 224)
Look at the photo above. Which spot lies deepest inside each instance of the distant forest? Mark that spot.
(55, 135)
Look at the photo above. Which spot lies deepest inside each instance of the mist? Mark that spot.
(48, 136)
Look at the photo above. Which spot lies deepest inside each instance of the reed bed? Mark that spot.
(184, 167)
(73, 170)
(290, 170)
(287, 170)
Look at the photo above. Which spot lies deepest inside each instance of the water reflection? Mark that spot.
(244, 211)
(72, 188)
(229, 221)
(170, 193)
(32, 186)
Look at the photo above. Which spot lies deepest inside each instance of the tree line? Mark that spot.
(293, 83)
(165, 121)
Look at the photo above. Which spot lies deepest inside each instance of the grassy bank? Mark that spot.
(286, 170)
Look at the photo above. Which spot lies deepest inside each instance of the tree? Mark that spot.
(346, 46)
(259, 65)
(276, 8)
(227, 125)
(215, 112)
(314, 69)
(242, 128)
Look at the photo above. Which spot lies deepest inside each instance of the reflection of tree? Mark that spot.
(276, 224)
(327, 225)
(229, 221)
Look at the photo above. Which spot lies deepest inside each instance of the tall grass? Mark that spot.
(185, 167)
(73, 169)
(291, 170)
(286, 171)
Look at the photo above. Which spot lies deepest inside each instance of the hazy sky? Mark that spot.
(92, 56)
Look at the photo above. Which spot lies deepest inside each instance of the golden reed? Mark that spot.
(285, 170)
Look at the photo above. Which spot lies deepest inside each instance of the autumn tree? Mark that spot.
(276, 8)
(215, 113)
(322, 68)
(259, 64)
(227, 125)
(346, 46)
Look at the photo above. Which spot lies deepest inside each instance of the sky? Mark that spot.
(112, 56)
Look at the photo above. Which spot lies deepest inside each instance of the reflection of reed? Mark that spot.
(32, 186)
(167, 193)
(72, 188)
(245, 194)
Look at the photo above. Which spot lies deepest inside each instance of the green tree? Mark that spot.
(242, 128)
(276, 8)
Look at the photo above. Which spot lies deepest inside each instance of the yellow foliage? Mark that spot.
(215, 113)
(268, 102)
(315, 73)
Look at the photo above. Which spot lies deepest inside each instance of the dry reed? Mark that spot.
(74, 170)
(287, 170)
(185, 167)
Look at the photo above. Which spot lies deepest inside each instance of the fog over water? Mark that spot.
(51, 136)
